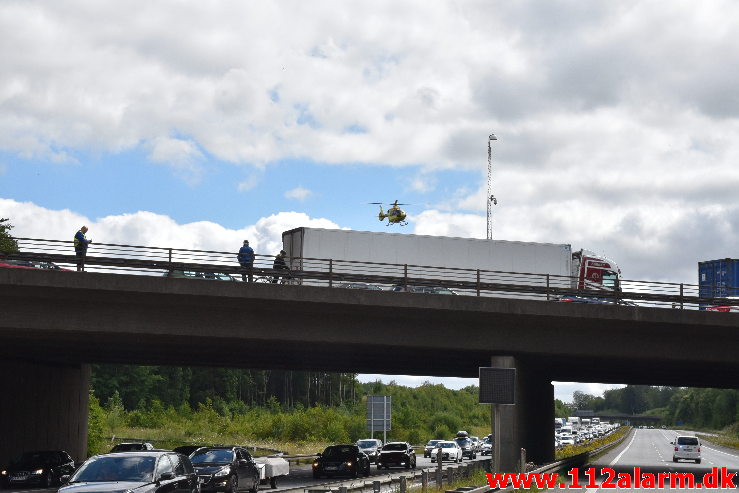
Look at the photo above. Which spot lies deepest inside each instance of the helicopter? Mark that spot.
(394, 215)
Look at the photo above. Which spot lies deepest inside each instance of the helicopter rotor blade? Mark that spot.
(376, 203)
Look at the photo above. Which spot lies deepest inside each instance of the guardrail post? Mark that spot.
(548, 287)
(439, 470)
(376, 486)
(523, 460)
(405, 277)
(449, 475)
(681, 296)
(170, 259)
(403, 484)
(330, 272)
(478, 282)
(424, 480)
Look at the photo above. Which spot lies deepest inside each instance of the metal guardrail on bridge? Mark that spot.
(159, 261)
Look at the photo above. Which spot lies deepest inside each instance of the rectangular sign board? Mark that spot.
(378, 412)
(497, 385)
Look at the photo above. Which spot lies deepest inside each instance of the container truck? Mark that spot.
(525, 263)
(719, 279)
(574, 422)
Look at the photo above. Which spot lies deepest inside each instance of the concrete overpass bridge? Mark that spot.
(54, 323)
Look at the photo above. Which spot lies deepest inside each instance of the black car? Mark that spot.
(44, 467)
(186, 449)
(132, 447)
(397, 454)
(468, 448)
(227, 469)
(142, 472)
(341, 460)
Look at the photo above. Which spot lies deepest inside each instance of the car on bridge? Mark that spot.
(29, 264)
(150, 471)
(450, 450)
(228, 469)
(359, 285)
(43, 468)
(190, 274)
(341, 460)
(399, 454)
(424, 289)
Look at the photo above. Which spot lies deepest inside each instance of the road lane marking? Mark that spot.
(624, 450)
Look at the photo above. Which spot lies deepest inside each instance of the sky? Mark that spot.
(200, 124)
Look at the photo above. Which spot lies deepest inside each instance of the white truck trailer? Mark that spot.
(431, 257)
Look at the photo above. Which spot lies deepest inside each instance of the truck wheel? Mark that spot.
(273, 482)
(233, 485)
(255, 488)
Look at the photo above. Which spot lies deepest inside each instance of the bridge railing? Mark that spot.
(163, 261)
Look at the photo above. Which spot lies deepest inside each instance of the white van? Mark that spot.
(688, 448)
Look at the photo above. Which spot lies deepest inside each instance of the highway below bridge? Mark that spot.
(54, 323)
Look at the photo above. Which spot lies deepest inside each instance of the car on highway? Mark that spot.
(430, 447)
(149, 471)
(399, 454)
(687, 448)
(476, 444)
(37, 468)
(132, 447)
(371, 447)
(186, 450)
(467, 447)
(449, 451)
(228, 469)
(341, 460)
(566, 439)
(486, 448)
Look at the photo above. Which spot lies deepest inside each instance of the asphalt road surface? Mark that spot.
(651, 451)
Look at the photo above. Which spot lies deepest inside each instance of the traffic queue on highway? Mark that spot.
(575, 431)
(139, 466)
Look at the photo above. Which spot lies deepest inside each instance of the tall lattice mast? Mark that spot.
(491, 200)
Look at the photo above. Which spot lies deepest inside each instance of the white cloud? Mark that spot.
(248, 184)
(150, 229)
(183, 155)
(298, 193)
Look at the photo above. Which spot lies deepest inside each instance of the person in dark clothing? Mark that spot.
(246, 259)
(80, 247)
(279, 265)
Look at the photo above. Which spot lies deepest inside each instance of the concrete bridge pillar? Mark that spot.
(43, 406)
(529, 423)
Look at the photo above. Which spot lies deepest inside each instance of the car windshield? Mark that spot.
(212, 456)
(366, 443)
(118, 468)
(433, 442)
(336, 451)
(446, 445)
(394, 446)
(687, 441)
(462, 441)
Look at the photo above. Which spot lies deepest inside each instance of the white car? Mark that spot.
(566, 439)
(688, 448)
(449, 451)
(486, 448)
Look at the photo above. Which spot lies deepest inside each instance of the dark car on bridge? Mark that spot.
(341, 460)
(44, 468)
(227, 469)
(190, 274)
(150, 471)
(399, 454)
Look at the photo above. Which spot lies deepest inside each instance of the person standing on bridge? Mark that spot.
(246, 259)
(279, 265)
(80, 247)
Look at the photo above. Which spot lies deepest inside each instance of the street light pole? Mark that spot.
(491, 200)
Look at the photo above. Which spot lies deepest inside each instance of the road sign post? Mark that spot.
(497, 387)
(379, 410)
